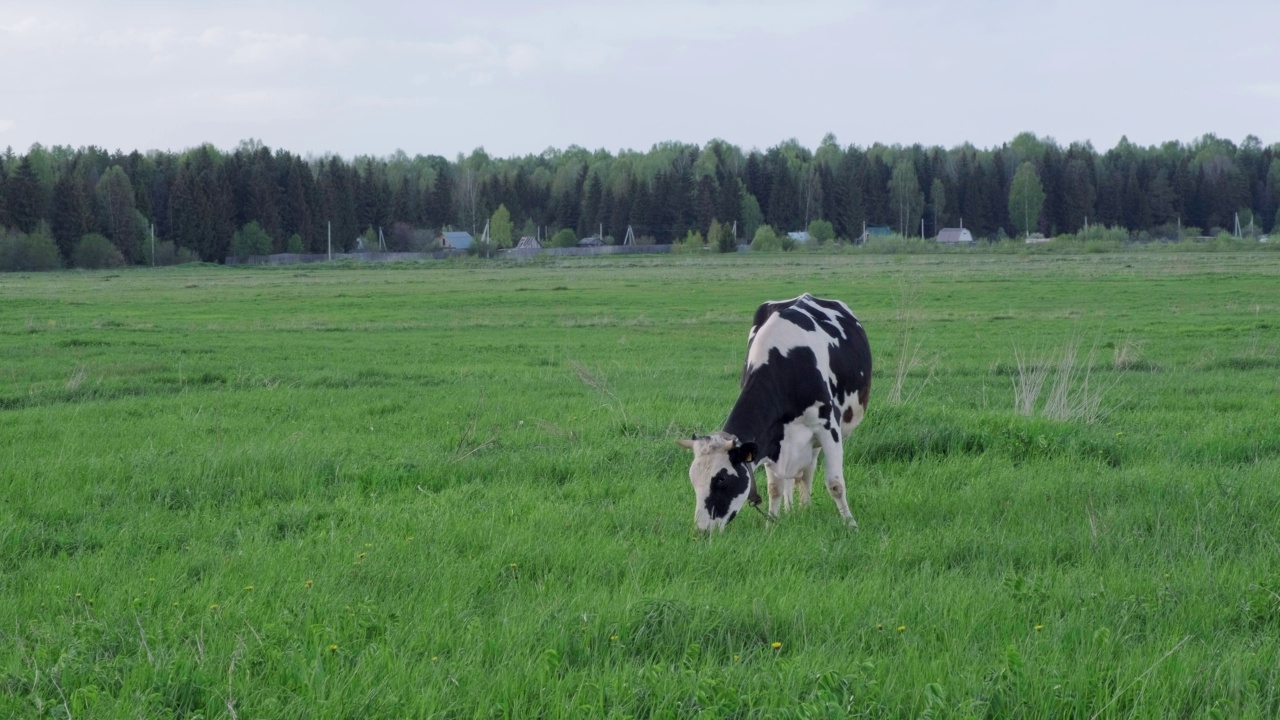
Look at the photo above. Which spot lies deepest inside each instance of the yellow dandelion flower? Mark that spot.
(1039, 628)
(410, 537)
(513, 564)
(333, 648)
(614, 638)
(362, 555)
(435, 658)
(777, 646)
(308, 583)
(151, 579)
(77, 594)
(902, 628)
(213, 606)
(735, 658)
(248, 588)
(879, 626)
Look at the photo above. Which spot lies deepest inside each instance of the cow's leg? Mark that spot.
(833, 444)
(775, 490)
(788, 492)
(804, 482)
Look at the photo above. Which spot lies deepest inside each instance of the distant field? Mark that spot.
(452, 490)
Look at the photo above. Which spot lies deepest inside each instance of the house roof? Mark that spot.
(799, 235)
(954, 235)
(590, 242)
(459, 239)
(529, 241)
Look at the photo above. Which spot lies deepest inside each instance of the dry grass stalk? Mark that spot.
(1073, 394)
(911, 354)
(1027, 383)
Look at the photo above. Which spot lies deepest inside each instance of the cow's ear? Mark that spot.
(685, 443)
(744, 453)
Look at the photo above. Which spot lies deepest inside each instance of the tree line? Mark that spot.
(200, 202)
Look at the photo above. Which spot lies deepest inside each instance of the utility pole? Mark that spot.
(153, 244)
(329, 225)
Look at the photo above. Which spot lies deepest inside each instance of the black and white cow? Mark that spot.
(804, 389)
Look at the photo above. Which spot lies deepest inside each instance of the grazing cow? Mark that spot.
(804, 389)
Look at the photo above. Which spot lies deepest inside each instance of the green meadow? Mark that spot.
(452, 490)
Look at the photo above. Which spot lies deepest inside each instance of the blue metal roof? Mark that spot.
(459, 239)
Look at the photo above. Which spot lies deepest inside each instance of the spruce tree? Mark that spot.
(25, 205)
(70, 218)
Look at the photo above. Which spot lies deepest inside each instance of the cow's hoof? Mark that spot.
(851, 523)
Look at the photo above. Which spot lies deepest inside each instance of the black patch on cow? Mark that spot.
(799, 319)
(848, 415)
(726, 486)
(743, 454)
(835, 434)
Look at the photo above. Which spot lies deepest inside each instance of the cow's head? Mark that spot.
(722, 476)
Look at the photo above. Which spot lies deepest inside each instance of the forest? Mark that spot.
(63, 206)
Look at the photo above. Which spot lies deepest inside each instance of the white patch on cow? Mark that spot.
(782, 335)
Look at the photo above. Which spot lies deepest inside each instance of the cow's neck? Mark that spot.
(756, 417)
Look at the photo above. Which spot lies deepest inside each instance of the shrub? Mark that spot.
(564, 238)
(36, 251)
(294, 244)
(407, 238)
(251, 240)
(692, 243)
(169, 254)
(822, 231)
(893, 244)
(766, 240)
(721, 238)
(94, 252)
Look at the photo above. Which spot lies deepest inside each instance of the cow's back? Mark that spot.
(827, 328)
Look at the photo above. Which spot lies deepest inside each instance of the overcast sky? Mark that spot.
(517, 77)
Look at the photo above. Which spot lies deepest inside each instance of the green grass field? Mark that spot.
(453, 490)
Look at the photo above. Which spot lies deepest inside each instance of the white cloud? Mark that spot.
(381, 102)
(521, 59)
(5, 125)
(213, 37)
(22, 27)
(155, 41)
(1266, 91)
(267, 48)
(678, 20)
